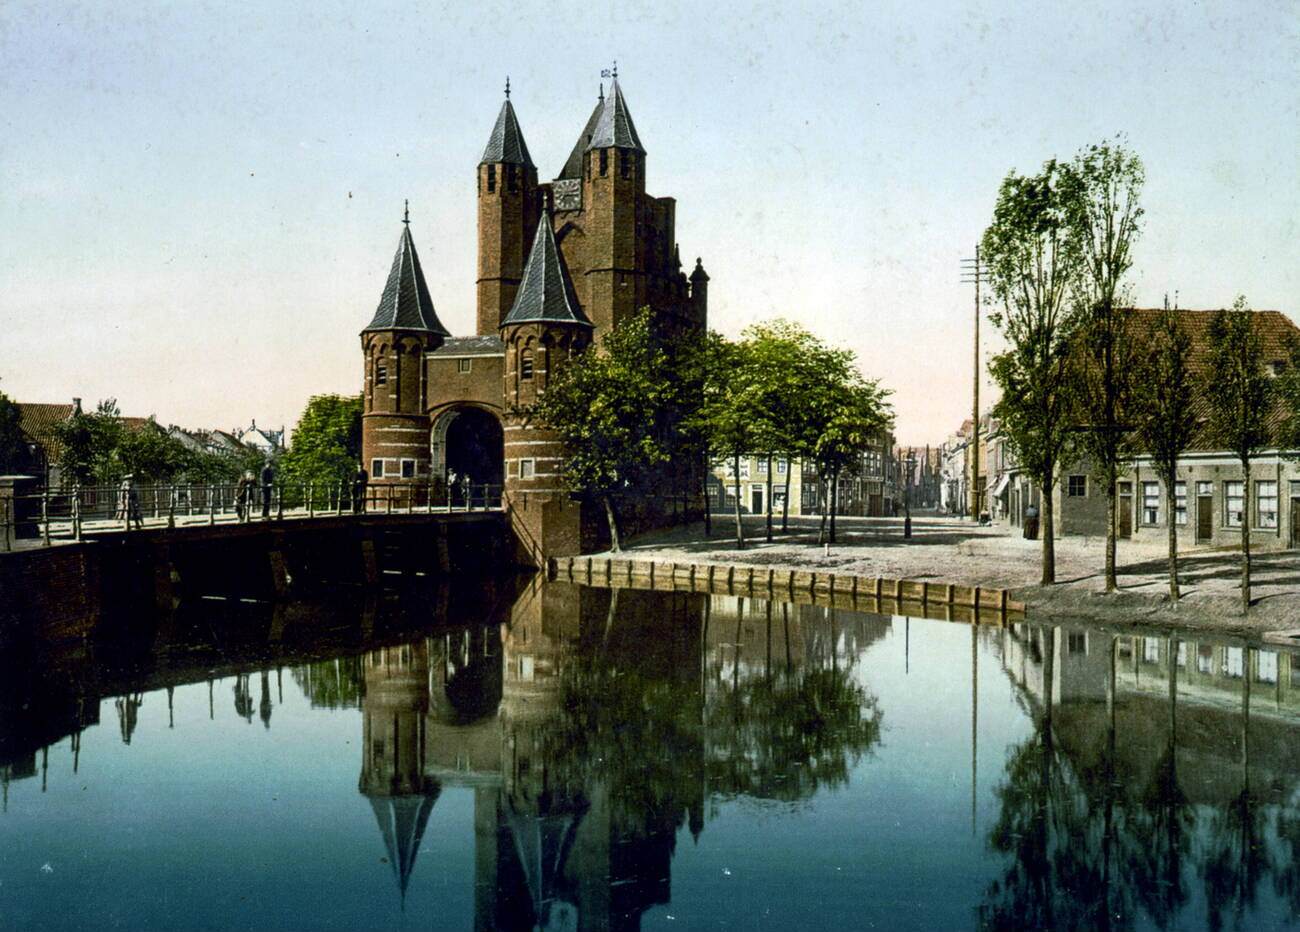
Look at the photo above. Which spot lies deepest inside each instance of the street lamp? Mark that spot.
(907, 494)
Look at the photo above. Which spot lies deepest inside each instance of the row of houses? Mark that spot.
(38, 423)
(1210, 501)
(879, 484)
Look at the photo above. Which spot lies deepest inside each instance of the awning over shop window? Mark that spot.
(1002, 485)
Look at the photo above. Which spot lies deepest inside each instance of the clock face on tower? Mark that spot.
(567, 193)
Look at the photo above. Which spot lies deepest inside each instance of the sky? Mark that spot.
(199, 202)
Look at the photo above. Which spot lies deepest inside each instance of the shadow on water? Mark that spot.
(1155, 781)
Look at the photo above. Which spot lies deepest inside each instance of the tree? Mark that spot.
(1100, 192)
(14, 456)
(327, 441)
(1032, 267)
(149, 453)
(853, 411)
(609, 409)
(88, 444)
(726, 415)
(1165, 419)
(1240, 395)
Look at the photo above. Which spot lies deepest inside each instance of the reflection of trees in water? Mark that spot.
(1087, 848)
(332, 684)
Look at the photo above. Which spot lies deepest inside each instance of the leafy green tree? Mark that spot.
(1100, 191)
(853, 411)
(609, 408)
(731, 395)
(326, 443)
(1240, 395)
(1032, 266)
(150, 454)
(14, 456)
(88, 444)
(1164, 417)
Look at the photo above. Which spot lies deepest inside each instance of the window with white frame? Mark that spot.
(1204, 488)
(1266, 666)
(1151, 650)
(1076, 642)
(1077, 487)
(1151, 503)
(781, 465)
(527, 469)
(1232, 504)
(744, 467)
(762, 466)
(1266, 503)
(464, 365)
(1234, 661)
(408, 469)
(376, 469)
(1204, 658)
(1180, 502)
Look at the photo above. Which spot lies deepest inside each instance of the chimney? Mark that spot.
(76, 406)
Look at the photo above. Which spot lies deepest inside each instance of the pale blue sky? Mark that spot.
(199, 202)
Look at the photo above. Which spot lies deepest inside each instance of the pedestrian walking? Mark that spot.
(268, 482)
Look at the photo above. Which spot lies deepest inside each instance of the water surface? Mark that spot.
(549, 756)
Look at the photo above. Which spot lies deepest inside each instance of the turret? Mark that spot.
(700, 292)
(394, 425)
(613, 189)
(544, 329)
(508, 208)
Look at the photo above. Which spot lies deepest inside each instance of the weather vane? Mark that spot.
(507, 87)
(610, 72)
(406, 212)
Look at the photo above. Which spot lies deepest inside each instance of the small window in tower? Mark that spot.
(464, 365)
(492, 178)
(526, 364)
(408, 469)
(376, 469)
(625, 163)
(604, 162)
(381, 373)
(512, 178)
(527, 469)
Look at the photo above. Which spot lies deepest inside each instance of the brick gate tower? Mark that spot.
(560, 263)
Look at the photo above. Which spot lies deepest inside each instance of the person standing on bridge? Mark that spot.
(268, 481)
(244, 495)
(359, 483)
(130, 502)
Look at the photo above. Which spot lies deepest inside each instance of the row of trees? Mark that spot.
(646, 399)
(1082, 375)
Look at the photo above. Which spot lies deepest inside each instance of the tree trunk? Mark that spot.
(835, 500)
(614, 543)
(740, 528)
(1112, 531)
(821, 506)
(769, 498)
(1245, 536)
(708, 505)
(1047, 529)
(785, 505)
(1171, 508)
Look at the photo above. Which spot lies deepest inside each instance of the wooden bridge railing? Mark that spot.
(67, 514)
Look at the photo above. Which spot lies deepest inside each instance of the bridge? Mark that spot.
(69, 558)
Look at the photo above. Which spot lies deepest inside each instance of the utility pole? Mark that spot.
(972, 273)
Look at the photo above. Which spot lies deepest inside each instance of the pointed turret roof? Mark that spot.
(546, 292)
(402, 821)
(573, 165)
(614, 127)
(405, 304)
(506, 144)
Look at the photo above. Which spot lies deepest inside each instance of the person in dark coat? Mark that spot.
(268, 481)
(244, 495)
(359, 483)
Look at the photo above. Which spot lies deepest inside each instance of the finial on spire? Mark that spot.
(602, 92)
(615, 71)
(507, 87)
(406, 212)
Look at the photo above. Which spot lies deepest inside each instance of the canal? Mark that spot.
(520, 754)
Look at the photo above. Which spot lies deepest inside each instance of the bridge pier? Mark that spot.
(369, 562)
(165, 579)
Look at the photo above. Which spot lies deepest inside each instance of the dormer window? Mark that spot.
(526, 365)
(492, 178)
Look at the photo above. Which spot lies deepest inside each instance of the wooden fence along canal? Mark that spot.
(918, 598)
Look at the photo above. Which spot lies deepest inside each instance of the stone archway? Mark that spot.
(467, 442)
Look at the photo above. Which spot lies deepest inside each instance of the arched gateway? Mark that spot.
(467, 443)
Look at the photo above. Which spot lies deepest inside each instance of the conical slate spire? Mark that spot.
(405, 304)
(573, 165)
(546, 292)
(402, 821)
(506, 144)
(614, 126)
